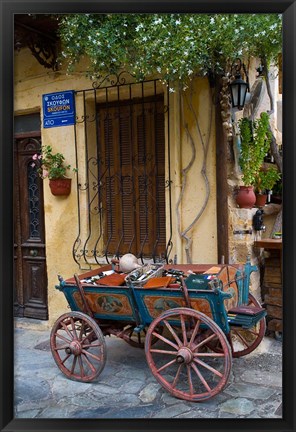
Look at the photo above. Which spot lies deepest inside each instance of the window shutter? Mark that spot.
(132, 146)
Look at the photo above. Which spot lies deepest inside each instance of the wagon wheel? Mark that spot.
(136, 339)
(244, 341)
(78, 346)
(182, 364)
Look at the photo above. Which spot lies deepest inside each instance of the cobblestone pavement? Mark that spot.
(127, 389)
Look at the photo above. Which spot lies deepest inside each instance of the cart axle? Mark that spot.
(184, 355)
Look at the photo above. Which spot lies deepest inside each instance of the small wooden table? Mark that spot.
(272, 288)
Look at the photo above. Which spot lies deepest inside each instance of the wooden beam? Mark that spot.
(221, 181)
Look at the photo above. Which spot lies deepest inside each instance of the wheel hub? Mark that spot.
(184, 355)
(74, 348)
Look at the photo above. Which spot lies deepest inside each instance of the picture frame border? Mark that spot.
(7, 10)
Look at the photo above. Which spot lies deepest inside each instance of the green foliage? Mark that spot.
(266, 179)
(255, 143)
(51, 165)
(174, 46)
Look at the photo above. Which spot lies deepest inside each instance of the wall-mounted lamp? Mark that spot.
(238, 87)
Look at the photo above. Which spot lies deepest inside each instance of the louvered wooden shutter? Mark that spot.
(132, 148)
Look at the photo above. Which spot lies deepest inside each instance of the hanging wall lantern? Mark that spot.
(238, 87)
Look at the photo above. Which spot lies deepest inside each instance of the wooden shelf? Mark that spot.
(269, 243)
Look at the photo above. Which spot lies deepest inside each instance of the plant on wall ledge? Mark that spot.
(52, 166)
(266, 179)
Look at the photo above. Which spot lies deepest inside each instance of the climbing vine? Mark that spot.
(176, 48)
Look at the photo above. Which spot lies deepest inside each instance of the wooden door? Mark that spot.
(30, 287)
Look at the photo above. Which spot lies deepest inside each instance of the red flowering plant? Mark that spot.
(51, 165)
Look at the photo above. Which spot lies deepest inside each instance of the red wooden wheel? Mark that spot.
(244, 341)
(133, 338)
(182, 362)
(78, 346)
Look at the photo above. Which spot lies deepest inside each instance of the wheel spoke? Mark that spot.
(191, 390)
(66, 329)
(183, 326)
(166, 365)
(177, 375)
(98, 358)
(81, 366)
(159, 351)
(242, 339)
(57, 335)
(195, 331)
(90, 365)
(212, 354)
(66, 358)
(74, 328)
(205, 341)
(254, 332)
(167, 341)
(87, 336)
(73, 365)
(91, 345)
(174, 334)
(210, 368)
(61, 347)
(201, 377)
(81, 331)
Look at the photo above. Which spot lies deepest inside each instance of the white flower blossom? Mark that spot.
(138, 28)
(172, 90)
(212, 21)
(178, 22)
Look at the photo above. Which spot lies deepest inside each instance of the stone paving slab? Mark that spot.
(127, 389)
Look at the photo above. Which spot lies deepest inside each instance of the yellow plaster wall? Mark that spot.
(200, 124)
(31, 81)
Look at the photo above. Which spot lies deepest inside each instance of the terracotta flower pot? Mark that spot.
(246, 197)
(260, 200)
(60, 187)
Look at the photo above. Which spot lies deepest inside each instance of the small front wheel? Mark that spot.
(78, 346)
(182, 361)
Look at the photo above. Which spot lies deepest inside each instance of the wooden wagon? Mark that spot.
(191, 319)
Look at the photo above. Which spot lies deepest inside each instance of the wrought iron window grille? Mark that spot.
(122, 150)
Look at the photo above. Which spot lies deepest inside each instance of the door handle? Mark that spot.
(33, 252)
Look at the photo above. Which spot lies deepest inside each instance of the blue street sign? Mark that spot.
(58, 109)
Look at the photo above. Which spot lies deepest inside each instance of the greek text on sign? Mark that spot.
(58, 109)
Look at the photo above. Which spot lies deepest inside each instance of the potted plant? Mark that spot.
(52, 166)
(265, 181)
(255, 142)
